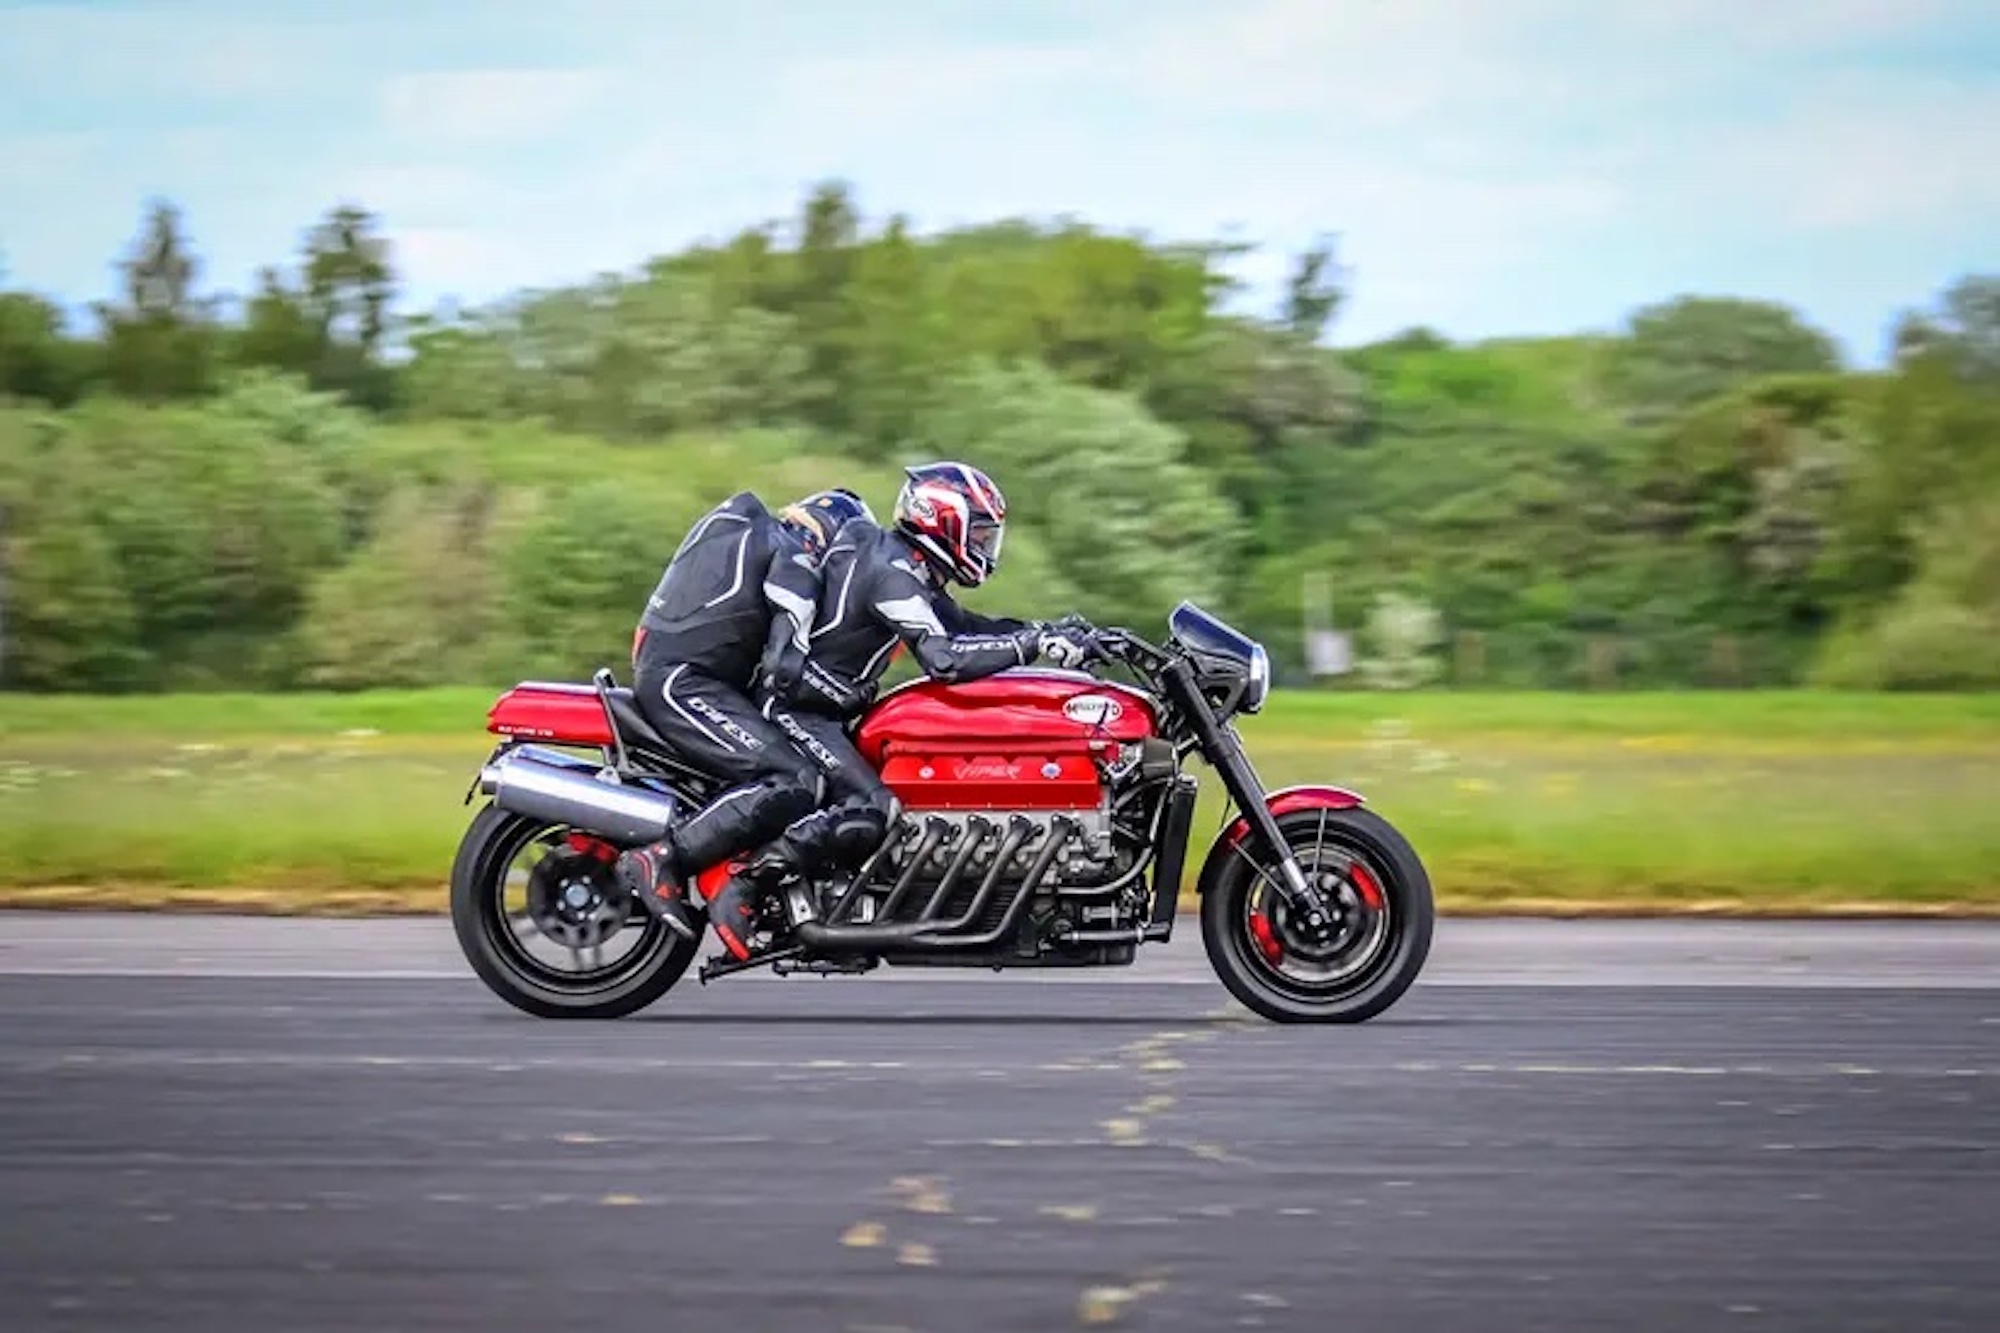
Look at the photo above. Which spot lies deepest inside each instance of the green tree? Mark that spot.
(893, 341)
(347, 284)
(1400, 641)
(418, 605)
(1933, 439)
(1682, 352)
(70, 620)
(1314, 292)
(1106, 489)
(577, 578)
(1710, 471)
(461, 367)
(38, 362)
(279, 332)
(1761, 474)
(1965, 325)
(160, 341)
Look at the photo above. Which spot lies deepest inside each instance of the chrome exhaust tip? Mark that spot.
(561, 793)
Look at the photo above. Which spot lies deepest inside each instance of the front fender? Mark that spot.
(1282, 802)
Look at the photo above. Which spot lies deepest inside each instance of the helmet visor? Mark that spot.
(983, 542)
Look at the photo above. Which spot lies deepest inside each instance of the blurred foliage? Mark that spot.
(301, 488)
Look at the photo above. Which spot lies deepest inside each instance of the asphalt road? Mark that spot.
(306, 1126)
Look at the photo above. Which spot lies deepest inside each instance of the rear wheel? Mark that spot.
(545, 926)
(1349, 968)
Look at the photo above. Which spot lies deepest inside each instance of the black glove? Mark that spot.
(779, 680)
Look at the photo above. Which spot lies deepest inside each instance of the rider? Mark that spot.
(881, 587)
(744, 583)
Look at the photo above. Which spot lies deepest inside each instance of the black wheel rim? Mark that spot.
(569, 905)
(1351, 949)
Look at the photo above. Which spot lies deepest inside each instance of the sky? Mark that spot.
(1484, 167)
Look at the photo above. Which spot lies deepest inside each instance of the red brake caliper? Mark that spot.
(585, 845)
(1267, 938)
(1365, 885)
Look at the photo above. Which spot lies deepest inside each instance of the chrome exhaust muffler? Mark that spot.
(564, 792)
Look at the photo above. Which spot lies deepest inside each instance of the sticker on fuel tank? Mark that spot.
(1093, 710)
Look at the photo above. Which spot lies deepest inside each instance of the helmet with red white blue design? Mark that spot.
(956, 516)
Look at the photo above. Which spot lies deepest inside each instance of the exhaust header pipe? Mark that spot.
(563, 792)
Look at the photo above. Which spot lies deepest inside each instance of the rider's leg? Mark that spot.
(844, 832)
(719, 731)
(859, 807)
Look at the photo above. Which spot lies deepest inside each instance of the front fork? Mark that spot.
(1239, 778)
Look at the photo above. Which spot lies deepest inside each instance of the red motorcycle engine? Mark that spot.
(1023, 740)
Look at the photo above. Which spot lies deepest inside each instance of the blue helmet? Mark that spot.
(818, 516)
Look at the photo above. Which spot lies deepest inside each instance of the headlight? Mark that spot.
(1260, 680)
(1223, 655)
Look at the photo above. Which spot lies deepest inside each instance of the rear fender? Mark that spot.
(1284, 801)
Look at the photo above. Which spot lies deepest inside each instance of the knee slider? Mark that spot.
(857, 832)
(793, 796)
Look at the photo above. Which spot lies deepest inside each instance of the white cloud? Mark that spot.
(1373, 141)
(37, 156)
(133, 52)
(1361, 66)
(1455, 145)
(1859, 155)
(1744, 26)
(419, 193)
(1375, 64)
(896, 91)
(487, 106)
(465, 259)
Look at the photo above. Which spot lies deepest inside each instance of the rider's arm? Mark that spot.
(958, 619)
(791, 590)
(899, 600)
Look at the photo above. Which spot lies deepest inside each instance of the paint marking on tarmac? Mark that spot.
(1121, 1128)
(1643, 978)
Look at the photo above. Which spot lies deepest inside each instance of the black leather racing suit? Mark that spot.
(875, 592)
(741, 585)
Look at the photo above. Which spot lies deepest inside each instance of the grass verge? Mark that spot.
(1760, 717)
(1752, 804)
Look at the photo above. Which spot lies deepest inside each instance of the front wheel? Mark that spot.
(547, 929)
(1348, 969)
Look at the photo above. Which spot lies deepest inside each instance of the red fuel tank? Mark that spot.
(1021, 740)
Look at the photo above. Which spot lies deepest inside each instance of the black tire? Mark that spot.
(490, 845)
(1402, 939)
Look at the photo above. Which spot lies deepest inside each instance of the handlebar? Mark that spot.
(1117, 644)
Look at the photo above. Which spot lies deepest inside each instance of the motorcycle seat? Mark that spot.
(632, 723)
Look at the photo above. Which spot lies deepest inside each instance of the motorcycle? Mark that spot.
(1045, 822)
